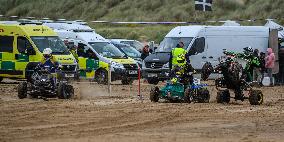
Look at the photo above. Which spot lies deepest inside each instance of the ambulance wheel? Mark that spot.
(22, 90)
(223, 96)
(65, 91)
(127, 81)
(101, 77)
(154, 94)
(154, 81)
(256, 97)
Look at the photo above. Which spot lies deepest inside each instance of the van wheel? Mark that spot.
(154, 81)
(22, 90)
(127, 81)
(101, 77)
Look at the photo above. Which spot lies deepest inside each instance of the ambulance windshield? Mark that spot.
(107, 49)
(171, 42)
(54, 43)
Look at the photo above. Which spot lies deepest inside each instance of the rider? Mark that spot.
(253, 62)
(48, 60)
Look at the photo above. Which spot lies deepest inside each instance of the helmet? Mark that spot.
(47, 52)
(248, 49)
(174, 80)
(181, 58)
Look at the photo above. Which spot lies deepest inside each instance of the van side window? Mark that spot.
(6, 44)
(23, 44)
(197, 47)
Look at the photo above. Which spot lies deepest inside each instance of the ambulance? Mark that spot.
(21, 47)
(97, 56)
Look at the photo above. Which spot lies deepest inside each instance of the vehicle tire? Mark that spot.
(154, 94)
(205, 95)
(223, 96)
(22, 90)
(127, 81)
(187, 96)
(207, 69)
(256, 97)
(65, 91)
(101, 77)
(154, 81)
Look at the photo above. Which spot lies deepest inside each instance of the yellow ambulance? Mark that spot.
(21, 47)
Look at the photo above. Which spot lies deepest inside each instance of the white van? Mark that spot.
(205, 44)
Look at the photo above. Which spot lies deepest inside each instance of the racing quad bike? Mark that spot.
(233, 79)
(45, 84)
(179, 91)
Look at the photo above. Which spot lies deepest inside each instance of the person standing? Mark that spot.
(176, 52)
(145, 52)
(269, 64)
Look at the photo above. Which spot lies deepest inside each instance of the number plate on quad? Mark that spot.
(152, 75)
(133, 72)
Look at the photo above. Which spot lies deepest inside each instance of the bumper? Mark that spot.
(161, 74)
(120, 74)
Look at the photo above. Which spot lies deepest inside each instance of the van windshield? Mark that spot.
(54, 43)
(108, 50)
(136, 44)
(171, 42)
(130, 51)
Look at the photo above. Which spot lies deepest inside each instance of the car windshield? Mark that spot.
(107, 49)
(54, 43)
(130, 51)
(171, 42)
(136, 44)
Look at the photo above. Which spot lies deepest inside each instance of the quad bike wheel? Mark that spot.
(256, 97)
(204, 95)
(22, 90)
(188, 98)
(65, 91)
(223, 96)
(154, 94)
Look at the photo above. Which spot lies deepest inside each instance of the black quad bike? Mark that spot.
(45, 84)
(233, 79)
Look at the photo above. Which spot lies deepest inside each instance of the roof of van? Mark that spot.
(193, 31)
(31, 30)
(68, 26)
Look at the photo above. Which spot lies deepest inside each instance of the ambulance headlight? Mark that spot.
(115, 65)
(166, 66)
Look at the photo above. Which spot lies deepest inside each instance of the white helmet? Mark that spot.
(47, 51)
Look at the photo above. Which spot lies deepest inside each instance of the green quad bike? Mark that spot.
(178, 92)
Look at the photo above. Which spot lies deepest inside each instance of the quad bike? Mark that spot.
(181, 91)
(45, 84)
(233, 79)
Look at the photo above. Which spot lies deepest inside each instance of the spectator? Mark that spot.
(145, 52)
(256, 70)
(262, 65)
(269, 64)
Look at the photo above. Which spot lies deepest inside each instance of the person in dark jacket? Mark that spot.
(145, 52)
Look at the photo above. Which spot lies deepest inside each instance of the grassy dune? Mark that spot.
(141, 10)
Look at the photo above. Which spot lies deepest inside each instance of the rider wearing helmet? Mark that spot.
(48, 60)
(253, 62)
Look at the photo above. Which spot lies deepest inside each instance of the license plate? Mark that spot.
(152, 75)
(69, 75)
(133, 72)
